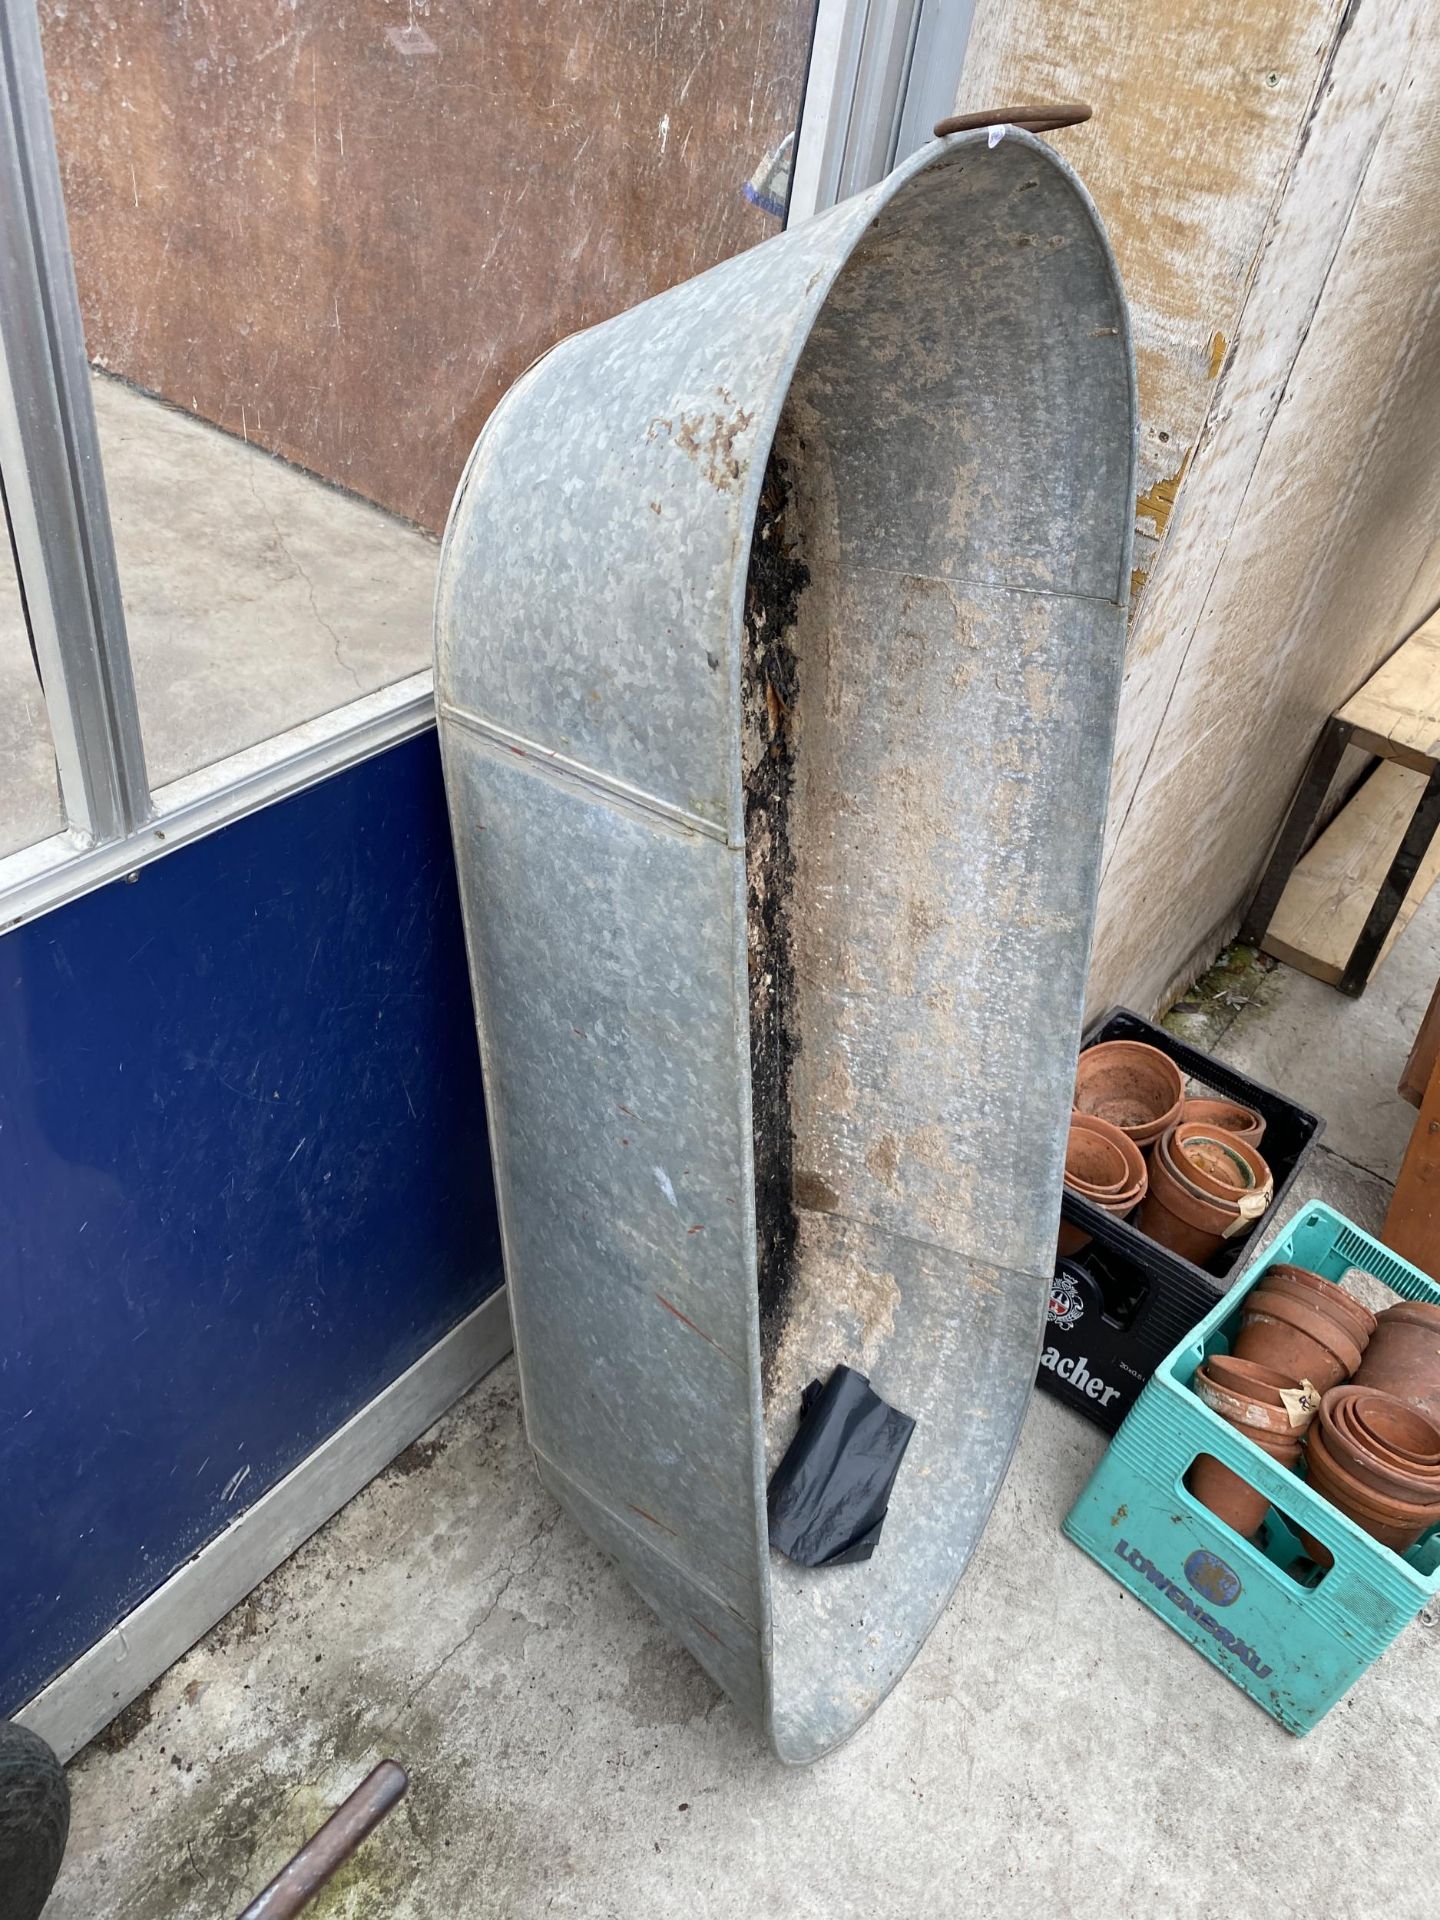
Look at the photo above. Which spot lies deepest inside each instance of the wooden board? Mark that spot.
(1330, 893)
(342, 230)
(1302, 548)
(1263, 172)
(1397, 711)
(1412, 1226)
(1185, 156)
(1419, 1069)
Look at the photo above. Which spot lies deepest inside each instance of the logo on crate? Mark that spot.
(1074, 1370)
(1162, 1582)
(1212, 1579)
(1066, 1306)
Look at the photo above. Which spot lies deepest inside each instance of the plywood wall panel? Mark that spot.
(1304, 540)
(1198, 112)
(1299, 544)
(343, 227)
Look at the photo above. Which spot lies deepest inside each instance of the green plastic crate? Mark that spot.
(1296, 1645)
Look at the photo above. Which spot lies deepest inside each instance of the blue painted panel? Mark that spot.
(244, 1182)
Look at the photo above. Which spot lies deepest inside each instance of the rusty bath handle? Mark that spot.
(1060, 113)
(295, 1886)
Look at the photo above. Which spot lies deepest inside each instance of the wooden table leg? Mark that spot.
(1290, 842)
(1424, 824)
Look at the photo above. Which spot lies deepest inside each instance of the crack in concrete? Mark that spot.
(1357, 1166)
(538, 1540)
(301, 574)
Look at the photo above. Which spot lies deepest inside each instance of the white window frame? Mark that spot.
(881, 72)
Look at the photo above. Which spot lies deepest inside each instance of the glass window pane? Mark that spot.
(255, 596)
(315, 245)
(30, 807)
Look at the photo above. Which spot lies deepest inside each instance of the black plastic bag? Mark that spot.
(829, 1495)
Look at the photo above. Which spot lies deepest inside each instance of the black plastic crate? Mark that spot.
(1121, 1303)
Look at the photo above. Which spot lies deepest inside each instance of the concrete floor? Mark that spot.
(255, 597)
(1054, 1752)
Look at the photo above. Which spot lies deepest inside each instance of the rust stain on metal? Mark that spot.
(709, 1632)
(685, 1319)
(709, 440)
(653, 1521)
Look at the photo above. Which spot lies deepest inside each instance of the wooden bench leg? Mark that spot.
(1299, 823)
(1423, 1055)
(1412, 1226)
(1397, 883)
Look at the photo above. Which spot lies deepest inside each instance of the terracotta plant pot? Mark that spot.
(1229, 1115)
(1403, 1357)
(1251, 1397)
(1161, 1152)
(1100, 1160)
(1180, 1215)
(1307, 1341)
(1302, 1284)
(1135, 1087)
(1219, 1166)
(1395, 1522)
(1105, 1167)
(1248, 1376)
(1231, 1498)
(1394, 1430)
(1382, 1444)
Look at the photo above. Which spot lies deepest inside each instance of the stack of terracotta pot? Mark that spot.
(1206, 1186)
(1371, 1447)
(1105, 1166)
(1205, 1181)
(1304, 1326)
(1403, 1356)
(1378, 1461)
(1269, 1408)
(1229, 1115)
